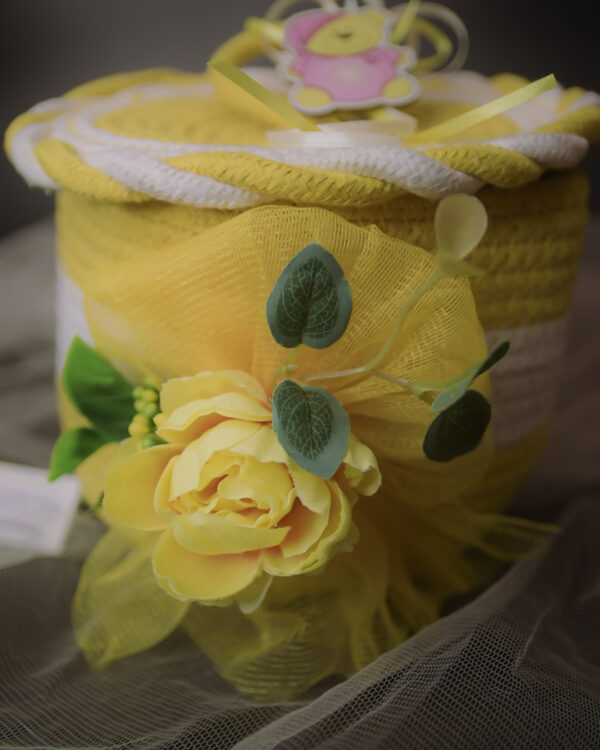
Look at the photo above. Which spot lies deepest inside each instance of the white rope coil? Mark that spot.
(138, 163)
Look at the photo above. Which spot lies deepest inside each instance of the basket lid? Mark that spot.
(167, 135)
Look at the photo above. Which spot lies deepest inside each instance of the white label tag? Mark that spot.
(35, 515)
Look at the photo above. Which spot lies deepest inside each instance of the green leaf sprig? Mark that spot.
(102, 395)
(463, 414)
(311, 305)
(451, 391)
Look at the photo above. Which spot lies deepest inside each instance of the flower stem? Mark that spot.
(414, 298)
(283, 370)
(391, 379)
(283, 367)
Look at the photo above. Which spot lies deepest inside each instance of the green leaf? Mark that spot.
(311, 302)
(459, 224)
(459, 429)
(312, 426)
(458, 386)
(94, 509)
(98, 391)
(71, 449)
(498, 352)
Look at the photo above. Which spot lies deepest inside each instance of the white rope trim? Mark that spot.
(24, 158)
(138, 163)
(70, 316)
(525, 382)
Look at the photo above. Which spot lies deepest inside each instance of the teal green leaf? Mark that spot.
(71, 449)
(311, 302)
(312, 427)
(457, 387)
(98, 391)
(459, 429)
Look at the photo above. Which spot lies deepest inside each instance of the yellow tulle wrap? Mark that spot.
(198, 305)
(172, 289)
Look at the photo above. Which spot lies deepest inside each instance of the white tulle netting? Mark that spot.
(517, 667)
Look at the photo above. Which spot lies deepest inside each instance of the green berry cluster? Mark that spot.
(148, 415)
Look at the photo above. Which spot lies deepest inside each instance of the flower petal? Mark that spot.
(207, 578)
(271, 486)
(162, 493)
(129, 487)
(223, 437)
(190, 421)
(312, 490)
(306, 528)
(331, 540)
(205, 385)
(211, 534)
(263, 445)
(361, 468)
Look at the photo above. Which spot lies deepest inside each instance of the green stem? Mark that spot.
(283, 367)
(282, 370)
(423, 395)
(391, 379)
(414, 298)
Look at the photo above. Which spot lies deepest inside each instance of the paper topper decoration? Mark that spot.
(344, 60)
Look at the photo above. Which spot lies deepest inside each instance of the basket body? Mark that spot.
(530, 255)
(144, 184)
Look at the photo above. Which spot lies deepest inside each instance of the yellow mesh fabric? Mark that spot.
(529, 252)
(194, 304)
(198, 304)
(118, 572)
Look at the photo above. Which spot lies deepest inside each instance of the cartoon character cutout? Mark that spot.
(343, 60)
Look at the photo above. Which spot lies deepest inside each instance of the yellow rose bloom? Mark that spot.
(235, 509)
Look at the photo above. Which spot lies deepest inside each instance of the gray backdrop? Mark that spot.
(49, 46)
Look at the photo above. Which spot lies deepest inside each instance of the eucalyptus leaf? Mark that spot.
(311, 302)
(98, 391)
(312, 427)
(459, 429)
(71, 449)
(458, 386)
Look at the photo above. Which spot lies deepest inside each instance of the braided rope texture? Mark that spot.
(171, 136)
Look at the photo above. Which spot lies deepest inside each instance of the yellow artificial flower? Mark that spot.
(235, 510)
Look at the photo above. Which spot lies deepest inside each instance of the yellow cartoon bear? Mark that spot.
(343, 60)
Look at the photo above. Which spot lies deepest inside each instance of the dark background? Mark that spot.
(50, 46)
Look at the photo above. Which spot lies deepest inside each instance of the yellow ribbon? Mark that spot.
(486, 111)
(406, 21)
(439, 40)
(267, 29)
(262, 95)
